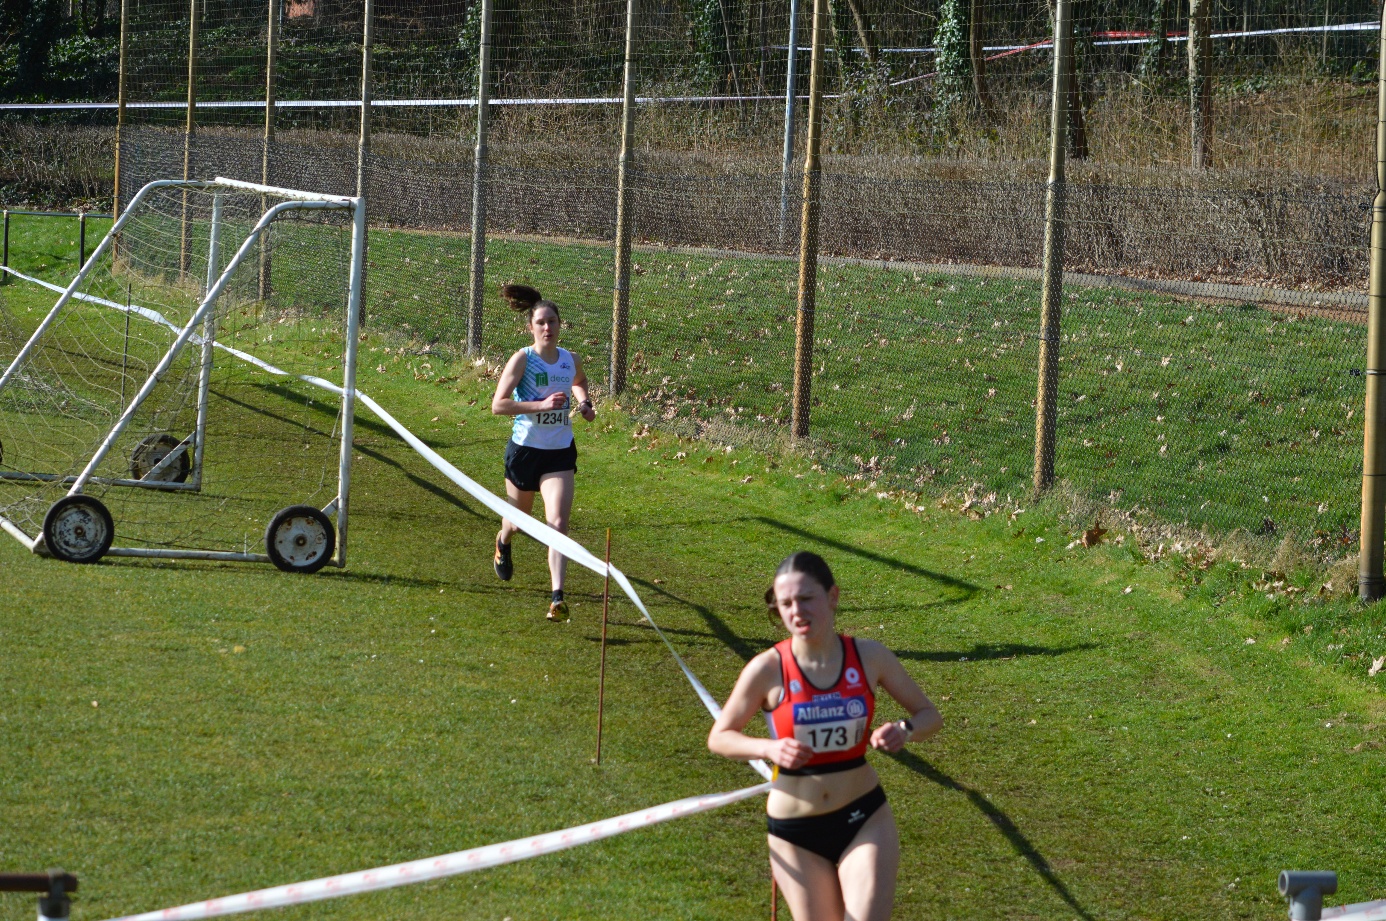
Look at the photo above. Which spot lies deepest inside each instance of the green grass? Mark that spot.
(1216, 416)
(1114, 747)
(1170, 769)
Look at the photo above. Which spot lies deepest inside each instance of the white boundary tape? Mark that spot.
(430, 868)
(1362, 911)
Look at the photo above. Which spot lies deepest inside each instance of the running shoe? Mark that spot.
(558, 611)
(505, 568)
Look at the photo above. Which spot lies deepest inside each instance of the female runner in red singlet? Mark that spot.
(834, 849)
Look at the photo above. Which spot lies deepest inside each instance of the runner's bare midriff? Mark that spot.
(799, 796)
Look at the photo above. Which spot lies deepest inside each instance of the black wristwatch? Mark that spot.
(907, 726)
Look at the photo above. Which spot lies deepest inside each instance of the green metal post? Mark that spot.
(1371, 585)
(5, 259)
(1051, 304)
(81, 239)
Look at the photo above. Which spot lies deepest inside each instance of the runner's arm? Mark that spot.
(504, 402)
(582, 399)
(891, 676)
(728, 737)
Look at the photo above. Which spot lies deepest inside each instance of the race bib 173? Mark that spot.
(830, 724)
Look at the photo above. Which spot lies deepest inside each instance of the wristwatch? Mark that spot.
(906, 726)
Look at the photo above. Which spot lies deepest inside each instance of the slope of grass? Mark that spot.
(180, 731)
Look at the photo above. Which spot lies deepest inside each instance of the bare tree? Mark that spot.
(862, 24)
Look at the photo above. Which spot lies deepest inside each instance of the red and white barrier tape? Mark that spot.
(418, 871)
(1362, 911)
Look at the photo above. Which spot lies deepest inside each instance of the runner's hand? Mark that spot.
(553, 401)
(789, 753)
(889, 737)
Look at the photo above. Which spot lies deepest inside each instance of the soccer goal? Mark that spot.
(190, 394)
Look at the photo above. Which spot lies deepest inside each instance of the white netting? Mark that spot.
(269, 439)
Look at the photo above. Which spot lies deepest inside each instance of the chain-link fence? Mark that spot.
(1218, 176)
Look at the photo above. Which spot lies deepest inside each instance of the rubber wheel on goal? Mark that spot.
(78, 529)
(300, 538)
(155, 448)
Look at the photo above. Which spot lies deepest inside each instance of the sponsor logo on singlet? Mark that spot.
(829, 708)
(853, 676)
(794, 686)
(541, 379)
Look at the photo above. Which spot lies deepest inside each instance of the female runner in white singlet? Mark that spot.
(538, 387)
(834, 849)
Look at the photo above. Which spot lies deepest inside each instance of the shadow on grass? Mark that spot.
(966, 588)
(321, 407)
(983, 652)
(724, 633)
(1001, 821)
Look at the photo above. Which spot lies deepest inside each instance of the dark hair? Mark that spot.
(806, 562)
(526, 300)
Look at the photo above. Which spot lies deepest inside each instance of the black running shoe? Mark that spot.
(503, 565)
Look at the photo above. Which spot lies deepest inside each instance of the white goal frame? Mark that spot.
(204, 316)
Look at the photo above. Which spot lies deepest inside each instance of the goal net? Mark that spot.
(190, 392)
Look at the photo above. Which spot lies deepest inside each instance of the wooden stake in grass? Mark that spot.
(601, 672)
(774, 899)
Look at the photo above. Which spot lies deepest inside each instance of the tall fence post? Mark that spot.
(477, 278)
(190, 126)
(620, 313)
(271, 64)
(791, 81)
(363, 143)
(1371, 585)
(1051, 305)
(1200, 83)
(120, 112)
(808, 238)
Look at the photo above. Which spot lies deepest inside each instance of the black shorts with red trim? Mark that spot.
(526, 466)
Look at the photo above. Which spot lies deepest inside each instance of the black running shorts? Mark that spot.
(526, 466)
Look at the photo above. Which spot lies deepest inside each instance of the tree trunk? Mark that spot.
(1200, 83)
(864, 36)
(977, 52)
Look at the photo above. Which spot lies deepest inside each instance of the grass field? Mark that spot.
(1115, 745)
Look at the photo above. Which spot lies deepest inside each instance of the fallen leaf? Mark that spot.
(1093, 536)
(1126, 590)
(238, 649)
(1377, 665)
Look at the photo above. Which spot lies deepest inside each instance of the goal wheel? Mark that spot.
(78, 529)
(153, 449)
(300, 538)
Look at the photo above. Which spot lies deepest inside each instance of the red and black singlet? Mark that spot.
(835, 721)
